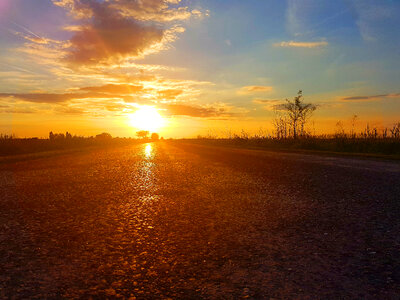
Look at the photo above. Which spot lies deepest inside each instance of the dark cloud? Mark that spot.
(116, 29)
(194, 111)
(371, 98)
(17, 111)
(107, 36)
(41, 97)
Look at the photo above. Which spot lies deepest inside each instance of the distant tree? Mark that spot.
(68, 135)
(142, 134)
(58, 136)
(155, 136)
(297, 114)
(51, 136)
(104, 136)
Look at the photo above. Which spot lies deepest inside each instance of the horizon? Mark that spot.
(185, 68)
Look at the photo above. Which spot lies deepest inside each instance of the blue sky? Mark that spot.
(223, 64)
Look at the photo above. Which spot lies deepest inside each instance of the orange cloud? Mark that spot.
(41, 97)
(254, 89)
(114, 88)
(59, 98)
(293, 44)
(169, 94)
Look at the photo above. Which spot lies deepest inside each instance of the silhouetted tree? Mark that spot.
(298, 113)
(155, 136)
(143, 134)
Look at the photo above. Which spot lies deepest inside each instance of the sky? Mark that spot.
(207, 66)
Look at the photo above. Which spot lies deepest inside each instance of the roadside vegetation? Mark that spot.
(292, 132)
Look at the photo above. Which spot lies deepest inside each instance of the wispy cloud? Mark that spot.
(293, 44)
(265, 101)
(251, 89)
(194, 111)
(370, 16)
(371, 98)
(269, 104)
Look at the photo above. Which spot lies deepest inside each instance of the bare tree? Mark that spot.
(298, 113)
(280, 124)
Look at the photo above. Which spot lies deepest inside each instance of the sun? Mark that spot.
(147, 118)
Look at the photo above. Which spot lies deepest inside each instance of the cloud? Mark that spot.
(70, 110)
(169, 94)
(114, 89)
(295, 9)
(17, 111)
(254, 89)
(270, 104)
(374, 17)
(114, 31)
(370, 98)
(265, 101)
(34, 38)
(41, 97)
(194, 111)
(58, 98)
(293, 44)
(108, 37)
(155, 10)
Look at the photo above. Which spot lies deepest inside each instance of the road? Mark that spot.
(181, 221)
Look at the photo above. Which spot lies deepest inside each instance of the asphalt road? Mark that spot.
(181, 221)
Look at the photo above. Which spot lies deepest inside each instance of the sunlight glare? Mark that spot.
(148, 151)
(147, 118)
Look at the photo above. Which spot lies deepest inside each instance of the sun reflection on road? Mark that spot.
(148, 151)
(145, 176)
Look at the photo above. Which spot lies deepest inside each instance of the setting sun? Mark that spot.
(147, 118)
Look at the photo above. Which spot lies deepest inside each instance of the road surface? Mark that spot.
(174, 220)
